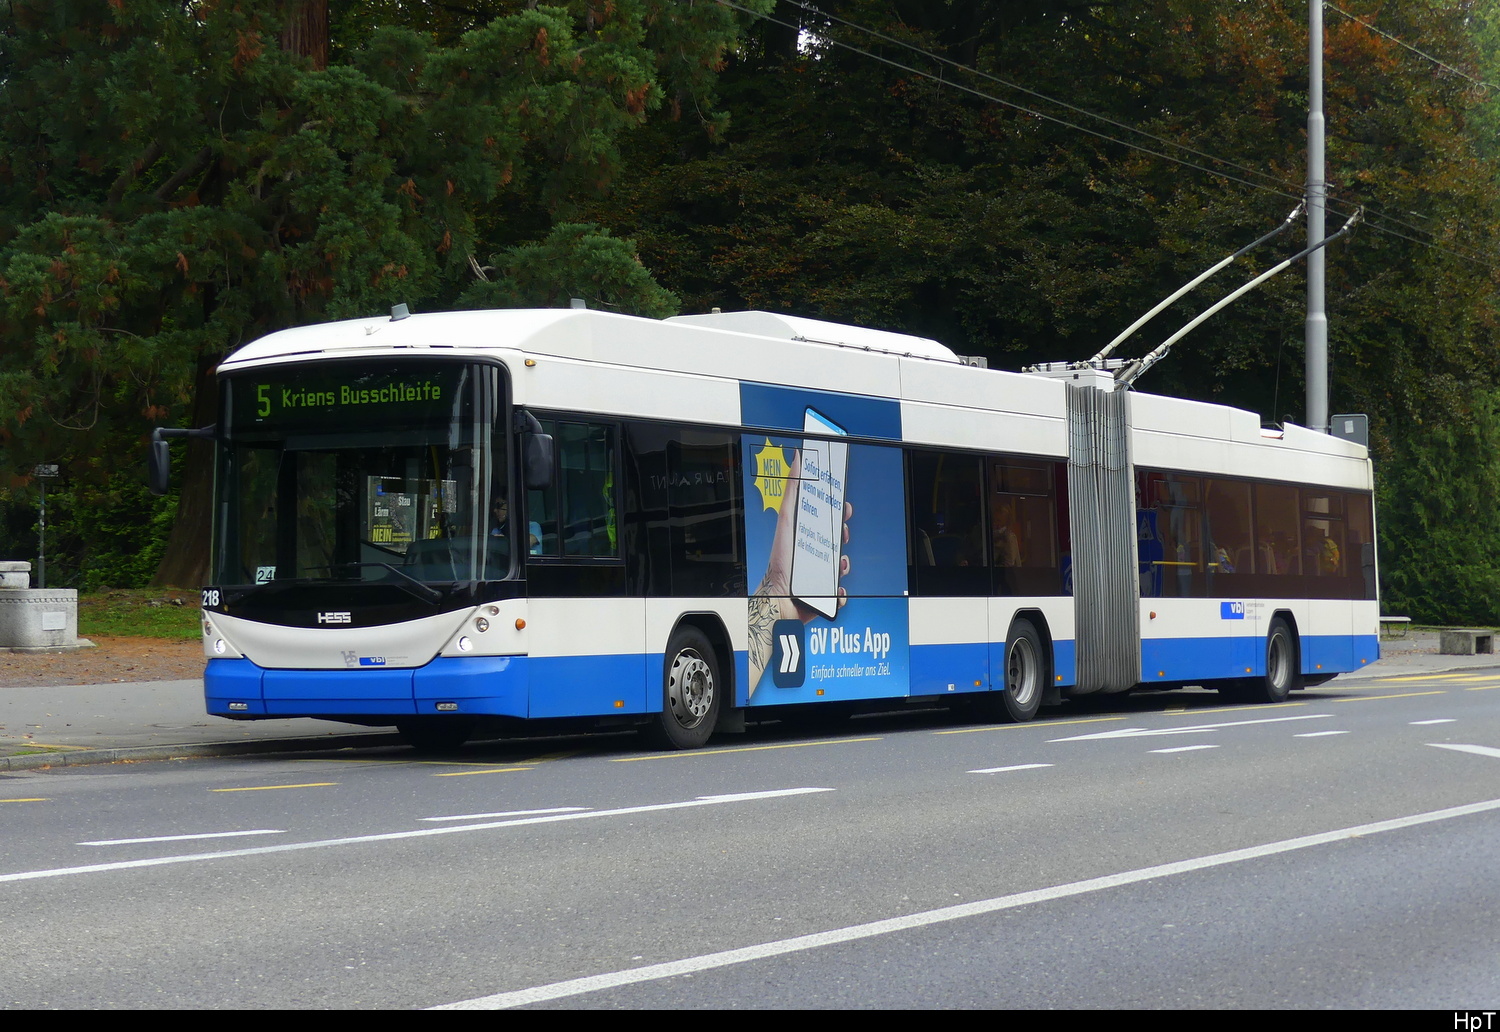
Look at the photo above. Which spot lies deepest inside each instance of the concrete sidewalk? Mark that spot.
(157, 720)
(149, 720)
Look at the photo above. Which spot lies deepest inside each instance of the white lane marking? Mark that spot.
(1439, 720)
(1185, 748)
(393, 836)
(508, 813)
(1319, 734)
(1144, 732)
(1006, 770)
(781, 947)
(1477, 750)
(181, 838)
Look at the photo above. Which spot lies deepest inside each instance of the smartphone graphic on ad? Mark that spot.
(819, 544)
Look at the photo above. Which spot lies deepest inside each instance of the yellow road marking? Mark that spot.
(267, 788)
(487, 770)
(1481, 687)
(39, 799)
(1258, 707)
(746, 748)
(1402, 695)
(547, 758)
(1428, 677)
(1009, 727)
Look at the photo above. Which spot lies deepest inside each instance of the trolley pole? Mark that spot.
(1317, 199)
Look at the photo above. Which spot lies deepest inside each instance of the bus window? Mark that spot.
(948, 550)
(707, 513)
(1169, 535)
(1023, 528)
(1227, 523)
(1359, 548)
(582, 521)
(1323, 533)
(1278, 537)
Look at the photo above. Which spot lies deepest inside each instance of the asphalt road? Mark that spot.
(1169, 852)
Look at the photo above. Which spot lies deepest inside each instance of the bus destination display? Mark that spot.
(334, 398)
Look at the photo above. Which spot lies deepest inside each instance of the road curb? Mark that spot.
(260, 747)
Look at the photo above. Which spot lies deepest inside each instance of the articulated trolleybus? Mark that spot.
(455, 521)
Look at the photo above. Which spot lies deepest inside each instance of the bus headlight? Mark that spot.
(464, 644)
(481, 624)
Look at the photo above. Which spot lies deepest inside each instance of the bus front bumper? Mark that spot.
(478, 686)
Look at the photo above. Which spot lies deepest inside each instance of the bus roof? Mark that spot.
(938, 394)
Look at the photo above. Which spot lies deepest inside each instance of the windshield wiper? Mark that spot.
(412, 585)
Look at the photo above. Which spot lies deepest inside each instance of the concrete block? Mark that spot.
(35, 619)
(1461, 641)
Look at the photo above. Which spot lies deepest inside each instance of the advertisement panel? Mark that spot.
(825, 541)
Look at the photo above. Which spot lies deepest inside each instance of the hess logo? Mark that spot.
(335, 618)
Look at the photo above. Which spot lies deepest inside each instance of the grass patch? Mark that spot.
(140, 613)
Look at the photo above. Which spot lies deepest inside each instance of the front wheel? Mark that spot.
(692, 692)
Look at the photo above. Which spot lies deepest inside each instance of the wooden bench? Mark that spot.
(1395, 626)
(1461, 641)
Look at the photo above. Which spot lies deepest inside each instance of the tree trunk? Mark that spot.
(185, 563)
(305, 31)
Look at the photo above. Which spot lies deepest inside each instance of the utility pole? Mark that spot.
(1317, 200)
(43, 473)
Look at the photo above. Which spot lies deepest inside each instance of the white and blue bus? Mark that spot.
(458, 521)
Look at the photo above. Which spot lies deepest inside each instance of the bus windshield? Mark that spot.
(363, 473)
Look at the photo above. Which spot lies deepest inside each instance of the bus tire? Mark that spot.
(1025, 677)
(1282, 665)
(435, 734)
(692, 692)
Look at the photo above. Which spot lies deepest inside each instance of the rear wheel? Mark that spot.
(1025, 677)
(1282, 665)
(691, 692)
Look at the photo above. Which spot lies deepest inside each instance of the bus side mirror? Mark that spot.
(536, 450)
(537, 461)
(159, 457)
